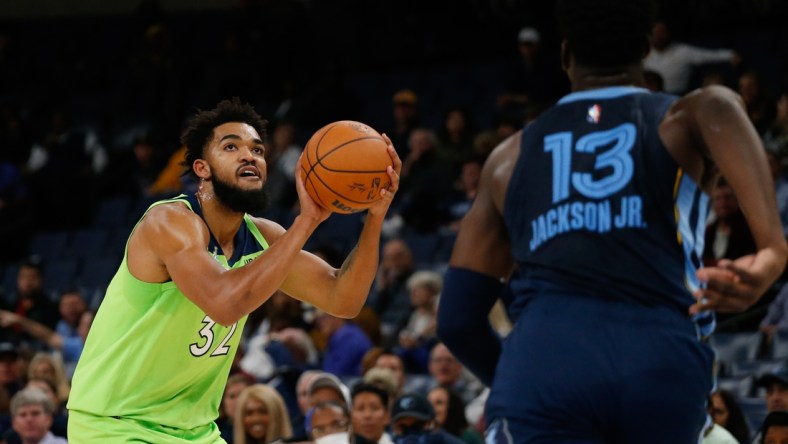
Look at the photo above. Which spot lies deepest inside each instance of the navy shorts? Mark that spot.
(583, 370)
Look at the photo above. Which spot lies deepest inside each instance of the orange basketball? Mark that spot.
(344, 166)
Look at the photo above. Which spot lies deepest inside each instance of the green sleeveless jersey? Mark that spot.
(152, 354)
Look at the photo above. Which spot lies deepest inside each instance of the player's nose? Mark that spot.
(245, 154)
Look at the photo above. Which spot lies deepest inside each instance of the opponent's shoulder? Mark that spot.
(710, 98)
(498, 169)
(502, 159)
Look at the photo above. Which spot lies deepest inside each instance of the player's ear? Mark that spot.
(202, 169)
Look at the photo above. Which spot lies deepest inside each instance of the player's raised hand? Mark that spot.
(733, 286)
(380, 207)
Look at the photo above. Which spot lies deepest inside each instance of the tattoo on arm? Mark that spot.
(348, 262)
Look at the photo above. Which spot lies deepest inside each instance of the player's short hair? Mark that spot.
(606, 33)
(201, 126)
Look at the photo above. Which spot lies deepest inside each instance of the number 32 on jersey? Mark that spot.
(206, 333)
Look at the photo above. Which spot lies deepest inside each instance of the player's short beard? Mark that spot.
(237, 199)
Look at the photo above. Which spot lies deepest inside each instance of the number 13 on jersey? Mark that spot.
(617, 158)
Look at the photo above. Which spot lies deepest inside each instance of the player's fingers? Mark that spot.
(708, 274)
(396, 161)
(741, 274)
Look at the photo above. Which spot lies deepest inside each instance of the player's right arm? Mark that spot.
(479, 263)
(170, 243)
(716, 123)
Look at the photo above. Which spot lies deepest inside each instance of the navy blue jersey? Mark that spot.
(597, 206)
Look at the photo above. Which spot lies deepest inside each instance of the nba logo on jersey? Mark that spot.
(594, 113)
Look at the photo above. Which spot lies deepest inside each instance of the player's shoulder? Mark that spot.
(270, 229)
(710, 96)
(170, 215)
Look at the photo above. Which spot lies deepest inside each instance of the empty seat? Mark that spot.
(735, 347)
(90, 242)
(112, 212)
(49, 245)
(59, 275)
(423, 246)
(741, 386)
(779, 345)
(96, 273)
(754, 409)
(754, 368)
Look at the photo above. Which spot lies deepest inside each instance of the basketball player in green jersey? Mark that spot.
(160, 349)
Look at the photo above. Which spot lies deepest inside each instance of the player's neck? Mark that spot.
(221, 220)
(591, 78)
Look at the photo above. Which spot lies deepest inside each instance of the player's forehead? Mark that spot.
(235, 130)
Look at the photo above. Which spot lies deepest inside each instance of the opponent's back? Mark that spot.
(596, 205)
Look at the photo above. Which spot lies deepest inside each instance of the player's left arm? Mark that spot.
(342, 292)
(721, 123)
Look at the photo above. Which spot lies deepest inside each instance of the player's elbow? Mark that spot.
(346, 312)
(450, 330)
(224, 316)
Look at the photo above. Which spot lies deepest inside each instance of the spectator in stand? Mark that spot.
(390, 299)
(413, 421)
(533, 75)
(726, 412)
(69, 347)
(327, 387)
(346, 347)
(757, 101)
(775, 382)
(281, 155)
(72, 308)
(31, 412)
(653, 81)
(134, 170)
(370, 414)
(450, 414)
(11, 378)
(467, 187)
(405, 111)
(48, 366)
(30, 301)
(675, 61)
(60, 414)
(388, 360)
(777, 315)
(425, 181)
(447, 371)
(780, 184)
(728, 236)
(331, 424)
(455, 139)
(418, 336)
(298, 419)
(776, 137)
(260, 416)
(775, 429)
(236, 383)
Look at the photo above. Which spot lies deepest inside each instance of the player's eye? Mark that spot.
(230, 146)
(258, 150)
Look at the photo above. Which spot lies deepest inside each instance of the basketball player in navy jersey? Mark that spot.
(597, 212)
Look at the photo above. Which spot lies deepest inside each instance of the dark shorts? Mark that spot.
(583, 370)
